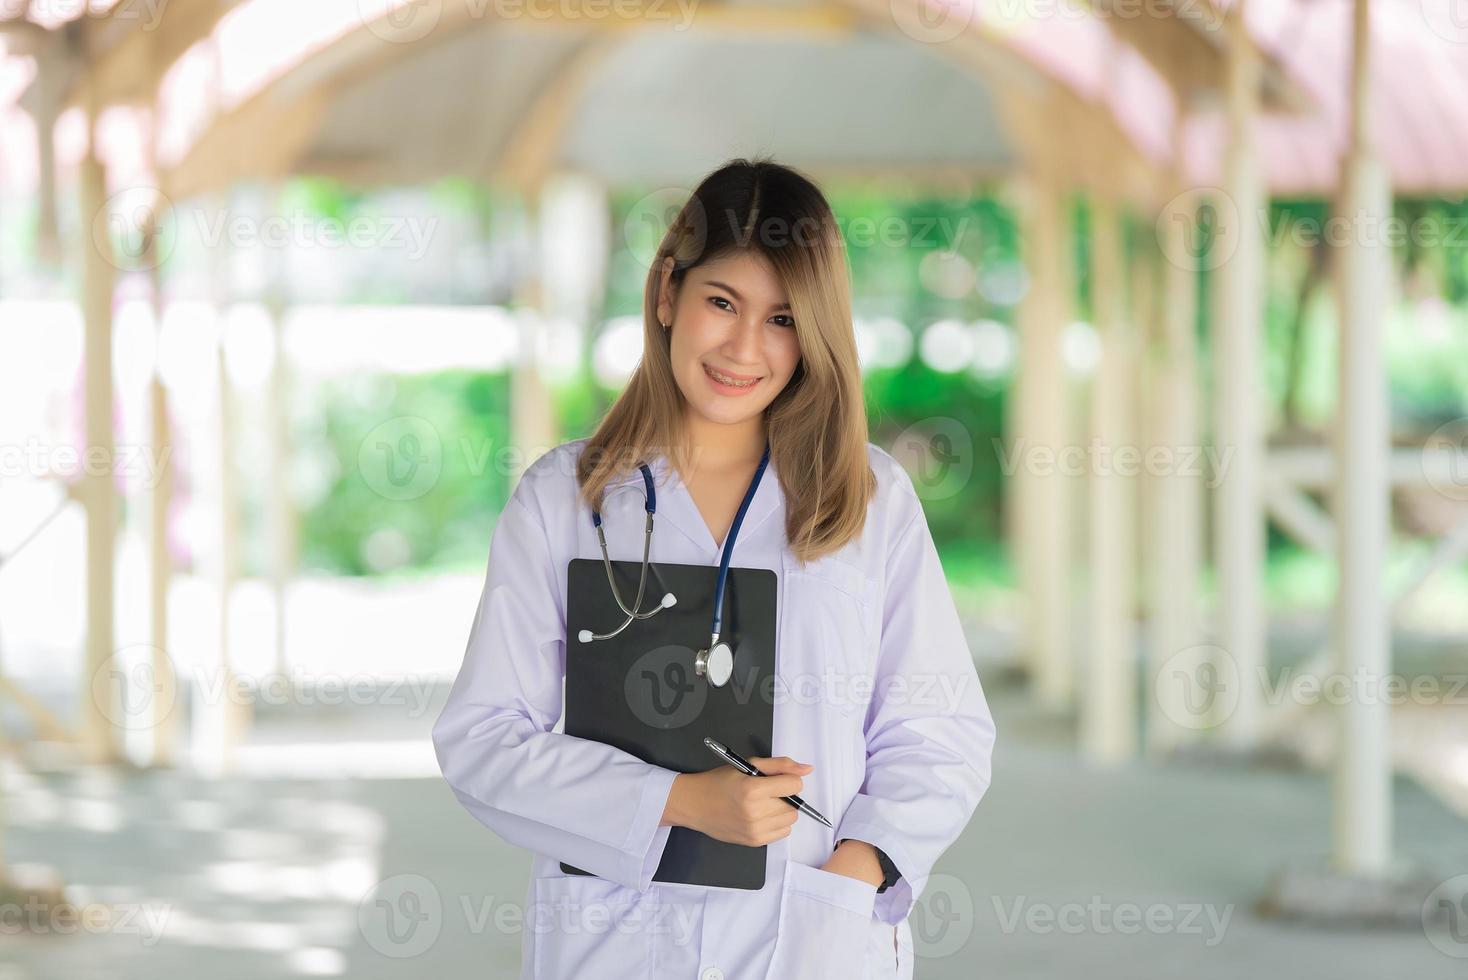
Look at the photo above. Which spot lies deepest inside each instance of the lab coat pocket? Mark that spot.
(825, 922)
(591, 927)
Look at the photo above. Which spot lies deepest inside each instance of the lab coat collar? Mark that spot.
(677, 507)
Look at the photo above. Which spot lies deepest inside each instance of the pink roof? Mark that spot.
(1420, 50)
(1419, 74)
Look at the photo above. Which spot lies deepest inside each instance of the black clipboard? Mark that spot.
(638, 690)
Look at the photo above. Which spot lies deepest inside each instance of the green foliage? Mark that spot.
(888, 280)
(1424, 337)
(900, 398)
(887, 243)
(321, 197)
(448, 524)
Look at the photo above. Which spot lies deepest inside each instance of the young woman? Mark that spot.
(748, 347)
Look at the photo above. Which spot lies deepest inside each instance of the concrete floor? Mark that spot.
(1145, 872)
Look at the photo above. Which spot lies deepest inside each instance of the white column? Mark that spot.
(532, 415)
(1144, 310)
(1043, 513)
(572, 227)
(1016, 484)
(1176, 537)
(162, 703)
(574, 247)
(1238, 426)
(1108, 706)
(99, 736)
(220, 724)
(1363, 766)
(281, 516)
(49, 83)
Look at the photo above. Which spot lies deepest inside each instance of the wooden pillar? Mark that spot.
(532, 414)
(100, 738)
(1108, 707)
(1042, 491)
(282, 519)
(1018, 542)
(574, 247)
(162, 704)
(281, 516)
(220, 723)
(1176, 538)
(164, 723)
(50, 69)
(1363, 768)
(1238, 425)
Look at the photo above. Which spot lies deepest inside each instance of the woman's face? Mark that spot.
(733, 344)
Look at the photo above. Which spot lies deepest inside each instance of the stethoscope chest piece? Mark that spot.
(716, 663)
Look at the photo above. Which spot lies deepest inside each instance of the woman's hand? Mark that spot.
(856, 859)
(730, 806)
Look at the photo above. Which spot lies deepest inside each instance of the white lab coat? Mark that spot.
(875, 688)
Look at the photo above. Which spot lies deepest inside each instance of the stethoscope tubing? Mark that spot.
(650, 506)
(729, 544)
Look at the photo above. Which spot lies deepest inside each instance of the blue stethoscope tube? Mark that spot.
(668, 598)
(717, 659)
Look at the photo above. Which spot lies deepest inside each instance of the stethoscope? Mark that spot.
(716, 661)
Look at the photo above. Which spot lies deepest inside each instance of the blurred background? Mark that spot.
(1162, 304)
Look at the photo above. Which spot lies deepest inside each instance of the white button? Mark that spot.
(712, 973)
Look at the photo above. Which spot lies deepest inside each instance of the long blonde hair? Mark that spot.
(817, 425)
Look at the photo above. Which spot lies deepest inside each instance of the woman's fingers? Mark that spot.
(774, 827)
(769, 787)
(763, 816)
(776, 765)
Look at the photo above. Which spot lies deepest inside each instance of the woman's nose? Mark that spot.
(745, 345)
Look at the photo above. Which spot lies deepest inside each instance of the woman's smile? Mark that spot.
(728, 383)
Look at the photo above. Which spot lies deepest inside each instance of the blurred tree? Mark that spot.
(451, 521)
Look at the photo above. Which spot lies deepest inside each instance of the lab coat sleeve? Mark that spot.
(576, 800)
(929, 733)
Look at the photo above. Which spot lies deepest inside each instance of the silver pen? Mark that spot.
(733, 758)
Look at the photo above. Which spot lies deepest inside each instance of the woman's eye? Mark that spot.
(722, 303)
